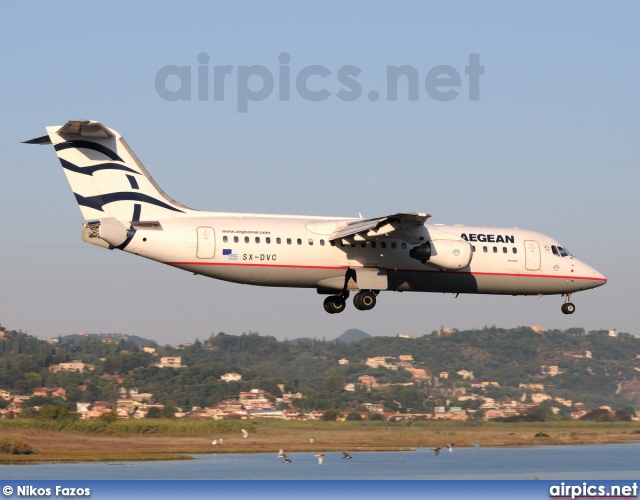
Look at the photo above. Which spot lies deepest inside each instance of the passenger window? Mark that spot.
(321, 243)
(299, 241)
(515, 250)
(484, 249)
(246, 239)
(393, 245)
(383, 244)
(310, 241)
(504, 249)
(278, 240)
(495, 249)
(473, 248)
(267, 240)
(225, 239)
(403, 245)
(288, 241)
(257, 239)
(235, 239)
(373, 244)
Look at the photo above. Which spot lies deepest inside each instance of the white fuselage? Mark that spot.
(294, 251)
(124, 208)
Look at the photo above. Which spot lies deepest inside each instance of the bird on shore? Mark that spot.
(245, 434)
(320, 457)
(214, 442)
(476, 445)
(346, 455)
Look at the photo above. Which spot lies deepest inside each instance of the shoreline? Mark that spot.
(72, 446)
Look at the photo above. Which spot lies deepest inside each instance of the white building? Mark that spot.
(231, 377)
(171, 362)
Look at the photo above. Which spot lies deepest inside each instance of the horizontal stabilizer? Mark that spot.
(85, 128)
(45, 139)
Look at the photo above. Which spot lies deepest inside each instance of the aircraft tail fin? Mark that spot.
(105, 175)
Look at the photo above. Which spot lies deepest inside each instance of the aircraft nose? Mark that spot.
(595, 277)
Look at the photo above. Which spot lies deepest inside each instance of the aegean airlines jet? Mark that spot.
(125, 209)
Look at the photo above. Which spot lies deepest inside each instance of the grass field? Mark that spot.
(166, 439)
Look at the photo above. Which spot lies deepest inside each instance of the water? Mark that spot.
(614, 461)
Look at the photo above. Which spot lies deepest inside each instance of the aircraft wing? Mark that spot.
(404, 226)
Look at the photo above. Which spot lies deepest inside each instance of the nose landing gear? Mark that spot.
(568, 307)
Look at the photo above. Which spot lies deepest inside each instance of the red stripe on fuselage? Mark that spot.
(476, 273)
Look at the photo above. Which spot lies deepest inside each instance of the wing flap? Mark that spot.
(405, 226)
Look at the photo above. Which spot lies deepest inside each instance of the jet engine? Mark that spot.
(444, 254)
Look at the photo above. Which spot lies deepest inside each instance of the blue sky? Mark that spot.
(550, 145)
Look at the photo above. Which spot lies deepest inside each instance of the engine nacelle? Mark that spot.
(445, 254)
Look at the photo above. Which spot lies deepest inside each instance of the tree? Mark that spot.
(153, 413)
(169, 411)
(333, 384)
(62, 412)
(535, 414)
(108, 417)
(331, 415)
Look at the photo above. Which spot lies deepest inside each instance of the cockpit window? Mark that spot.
(560, 252)
(564, 252)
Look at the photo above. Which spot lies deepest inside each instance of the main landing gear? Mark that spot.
(335, 303)
(363, 301)
(568, 307)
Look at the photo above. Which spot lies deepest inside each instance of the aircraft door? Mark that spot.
(532, 255)
(206, 243)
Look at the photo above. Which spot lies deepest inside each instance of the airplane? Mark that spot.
(125, 209)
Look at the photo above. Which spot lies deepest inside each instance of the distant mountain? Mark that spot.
(348, 336)
(353, 335)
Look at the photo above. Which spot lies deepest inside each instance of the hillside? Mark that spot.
(593, 368)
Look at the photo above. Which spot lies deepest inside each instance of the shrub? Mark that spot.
(19, 446)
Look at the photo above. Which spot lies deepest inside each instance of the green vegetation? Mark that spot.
(169, 427)
(594, 368)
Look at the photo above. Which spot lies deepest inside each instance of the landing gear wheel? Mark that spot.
(334, 304)
(364, 300)
(568, 308)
